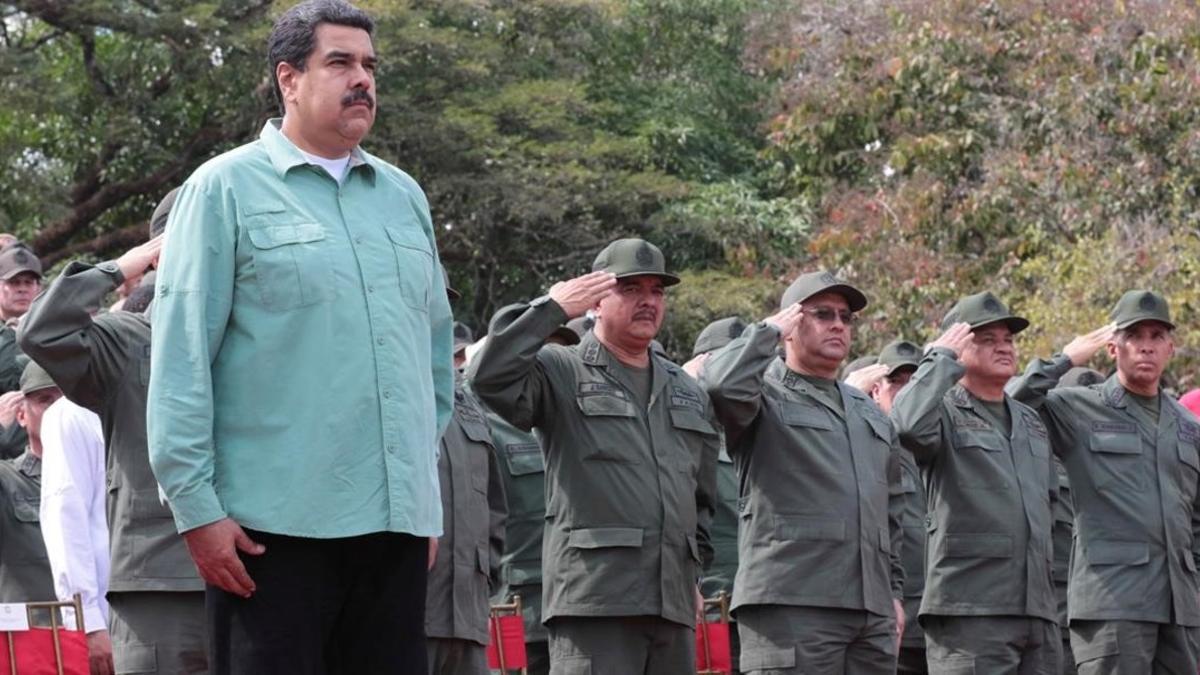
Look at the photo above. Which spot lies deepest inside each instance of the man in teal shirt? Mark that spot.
(301, 374)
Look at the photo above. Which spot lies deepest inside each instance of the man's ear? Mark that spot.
(287, 75)
(22, 418)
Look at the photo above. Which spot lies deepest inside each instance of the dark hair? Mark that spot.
(294, 35)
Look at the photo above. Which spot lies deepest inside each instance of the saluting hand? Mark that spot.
(786, 319)
(214, 548)
(956, 338)
(139, 259)
(1084, 347)
(580, 294)
(9, 402)
(865, 379)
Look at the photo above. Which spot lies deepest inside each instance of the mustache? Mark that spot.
(358, 95)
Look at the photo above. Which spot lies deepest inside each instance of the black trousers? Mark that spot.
(324, 607)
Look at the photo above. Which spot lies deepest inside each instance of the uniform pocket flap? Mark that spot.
(1117, 553)
(604, 537)
(809, 527)
(1187, 455)
(978, 546)
(273, 236)
(985, 440)
(524, 459)
(408, 238)
(476, 430)
(881, 427)
(26, 509)
(762, 659)
(692, 421)
(805, 415)
(1116, 443)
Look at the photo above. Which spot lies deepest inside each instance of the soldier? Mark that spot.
(468, 556)
(523, 469)
(102, 362)
(720, 574)
(1064, 525)
(988, 601)
(24, 566)
(20, 281)
(630, 451)
(892, 371)
(1131, 454)
(819, 578)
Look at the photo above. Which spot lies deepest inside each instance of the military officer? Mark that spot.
(988, 601)
(630, 448)
(891, 372)
(523, 470)
(20, 281)
(102, 362)
(24, 567)
(467, 563)
(819, 581)
(1131, 455)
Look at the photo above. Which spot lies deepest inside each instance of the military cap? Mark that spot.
(158, 219)
(856, 365)
(633, 258)
(982, 309)
(18, 259)
(807, 285)
(462, 336)
(35, 378)
(450, 292)
(900, 354)
(1080, 376)
(1141, 305)
(718, 334)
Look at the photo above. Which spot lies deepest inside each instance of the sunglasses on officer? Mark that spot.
(829, 315)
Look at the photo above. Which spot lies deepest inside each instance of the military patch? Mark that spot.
(828, 278)
(1189, 433)
(1147, 303)
(685, 393)
(684, 402)
(972, 423)
(644, 256)
(21, 256)
(992, 305)
(1115, 427)
(1035, 425)
(522, 448)
(600, 389)
(905, 349)
(736, 328)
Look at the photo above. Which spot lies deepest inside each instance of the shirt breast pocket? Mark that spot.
(414, 265)
(292, 265)
(980, 461)
(1115, 460)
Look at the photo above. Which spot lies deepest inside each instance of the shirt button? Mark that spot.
(387, 394)
(379, 341)
(370, 289)
(358, 240)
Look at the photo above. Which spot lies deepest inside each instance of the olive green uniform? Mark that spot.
(523, 470)
(720, 574)
(12, 437)
(1064, 528)
(989, 599)
(630, 491)
(911, 491)
(1134, 600)
(819, 542)
(155, 595)
(24, 567)
(472, 541)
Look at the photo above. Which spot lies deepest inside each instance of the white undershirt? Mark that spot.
(334, 167)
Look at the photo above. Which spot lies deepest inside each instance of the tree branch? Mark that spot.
(124, 238)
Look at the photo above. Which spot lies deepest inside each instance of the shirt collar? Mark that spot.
(285, 155)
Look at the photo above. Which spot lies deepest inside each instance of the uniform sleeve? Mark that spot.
(1035, 387)
(896, 499)
(917, 411)
(498, 512)
(707, 498)
(509, 373)
(193, 298)
(72, 526)
(83, 357)
(10, 368)
(733, 377)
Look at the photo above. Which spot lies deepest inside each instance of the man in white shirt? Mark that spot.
(73, 518)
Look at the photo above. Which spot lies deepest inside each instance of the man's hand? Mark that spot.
(214, 549)
(1084, 347)
(786, 319)
(699, 608)
(9, 402)
(100, 660)
(901, 620)
(956, 338)
(865, 379)
(580, 294)
(695, 367)
(432, 556)
(137, 260)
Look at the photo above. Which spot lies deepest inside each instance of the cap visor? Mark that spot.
(667, 279)
(1016, 324)
(1139, 319)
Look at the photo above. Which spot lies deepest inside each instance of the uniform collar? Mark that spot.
(779, 371)
(593, 353)
(29, 464)
(1114, 392)
(285, 155)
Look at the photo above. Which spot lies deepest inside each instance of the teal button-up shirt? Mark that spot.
(301, 368)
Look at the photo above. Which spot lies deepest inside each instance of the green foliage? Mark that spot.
(705, 296)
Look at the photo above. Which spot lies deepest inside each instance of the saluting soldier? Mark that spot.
(1131, 455)
(24, 566)
(20, 281)
(988, 605)
(102, 362)
(630, 448)
(819, 581)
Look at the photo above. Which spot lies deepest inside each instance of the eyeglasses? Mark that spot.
(828, 314)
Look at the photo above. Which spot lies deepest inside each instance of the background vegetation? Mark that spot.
(926, 149)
